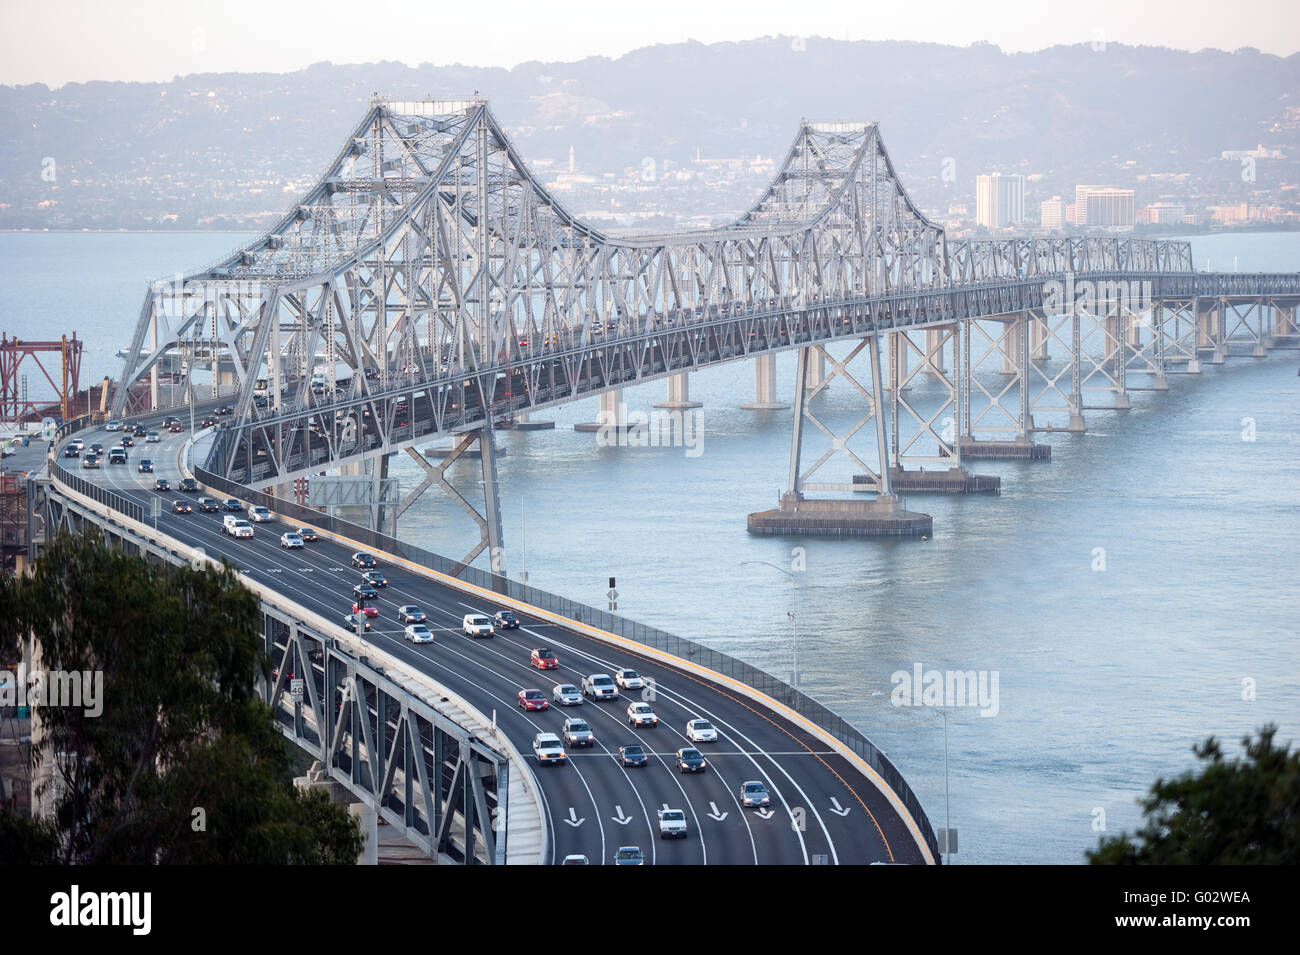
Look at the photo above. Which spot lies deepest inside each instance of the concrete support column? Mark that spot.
(1038, 337)
(934, 360)
(816, 369)
(765, 384)
(612, 413)
(896, 353)
(369, 820)
(1007, 347)
(679, 395)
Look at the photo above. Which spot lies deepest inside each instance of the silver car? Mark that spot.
(418, 633)
(753, 793)
(578, 733)
(566, 694)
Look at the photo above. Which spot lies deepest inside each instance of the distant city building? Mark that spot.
(1103, 207)
(1051, 214)
(1259, 152)
(1231, 215)
(1163, 213)
(999, 200)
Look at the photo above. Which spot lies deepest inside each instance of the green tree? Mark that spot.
(1230, 813)
(184, 764)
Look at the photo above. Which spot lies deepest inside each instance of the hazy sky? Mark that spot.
(61, 41)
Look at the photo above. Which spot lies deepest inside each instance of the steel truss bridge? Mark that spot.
(437, 288)
(428, 284)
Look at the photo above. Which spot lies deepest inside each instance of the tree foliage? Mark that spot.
(184, 764)
(1230, 813)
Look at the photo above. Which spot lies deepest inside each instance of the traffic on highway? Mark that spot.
(629, 752)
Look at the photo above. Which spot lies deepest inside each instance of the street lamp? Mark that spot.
(794, 607)
(947, 818)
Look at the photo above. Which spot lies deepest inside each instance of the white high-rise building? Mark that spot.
(1051, 214)
(999, 200)
(1103, 207)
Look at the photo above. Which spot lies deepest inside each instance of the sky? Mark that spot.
(61, 41)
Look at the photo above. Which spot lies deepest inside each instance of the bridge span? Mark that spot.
(835, 799)
(429, 285)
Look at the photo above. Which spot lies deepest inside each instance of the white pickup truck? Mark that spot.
(672, 824)
(234, 525)
(599, 686)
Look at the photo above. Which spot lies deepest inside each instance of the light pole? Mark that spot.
(794, 608)
(947, 818)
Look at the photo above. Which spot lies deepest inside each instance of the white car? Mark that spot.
(599, 686)
(566, 694)
(640, 714)
(476, 625)
(291, 542)
(418, 633)
(548, 748)
(672, 824)
(258, 514)
(701, 731)
(152, 437)
(629, 679)
(113, 426)
(79, 444)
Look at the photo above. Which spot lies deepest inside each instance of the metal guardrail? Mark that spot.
(641, 633)
(99, 495)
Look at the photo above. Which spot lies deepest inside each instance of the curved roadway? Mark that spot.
(823, 809)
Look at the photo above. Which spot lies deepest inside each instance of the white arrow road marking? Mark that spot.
(573, 819)
(765, 813)
(835, 807)
(715, 814)
(621, 819)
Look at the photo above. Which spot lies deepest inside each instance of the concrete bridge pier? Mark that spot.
(612, 417)
(679, 394)
(935, 339)
(765, 385)
(1039, 335)
(799, 515)
(1209, 329)
(897, 345)
(1285, 333)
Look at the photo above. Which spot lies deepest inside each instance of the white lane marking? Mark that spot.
(765, 813)
(714, 814)
(695, 709)
(574, 821)
(620, 818)
(501, 700)
(835, 808)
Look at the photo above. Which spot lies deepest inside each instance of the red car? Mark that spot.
(544, 659)
(533, 700)
(368, 609)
